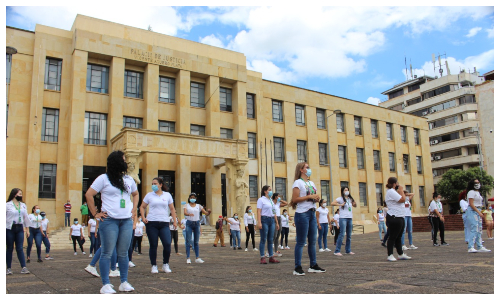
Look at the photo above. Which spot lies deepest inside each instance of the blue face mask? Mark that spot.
(249, 210)
(279, 199)
(308, 173)
(270, 194)
(37, 211)
(236, 217)
(76, 222)
(193, 200)
(155, 188)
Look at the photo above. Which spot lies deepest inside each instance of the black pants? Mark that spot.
(137, 242)
(251, 232)
(77, 239)
(432, 227)
(175, 236)
(284, 234)
(155, 230)
(437, 224)
(395, 226)
(337, 232)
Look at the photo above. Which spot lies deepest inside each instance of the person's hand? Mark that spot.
(442, 219)
(209, 211)
(319, 226)
(481, 215)
(134, 212)
(27, 234)
(95, 234)
(175, 226)
(260, 226)
(145, 220)
(70, 238)
(101, 215)
(246, 228)
(338, 227)
(277, 225)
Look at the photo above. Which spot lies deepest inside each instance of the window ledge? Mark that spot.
(251, 118)
(48, 142)
(225, 111)
(47, 199)
(197, 107)
(133, 98)
(300, 125)
(279, 162)
(97, 93)
(54, 91)
(278, 122)
(159, 101)
(95, 145)
(324, 129)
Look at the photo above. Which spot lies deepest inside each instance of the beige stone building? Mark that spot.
(193, 114)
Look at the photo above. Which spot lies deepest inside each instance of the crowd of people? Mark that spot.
(115, 229)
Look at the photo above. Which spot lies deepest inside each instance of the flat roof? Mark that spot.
(406, 83)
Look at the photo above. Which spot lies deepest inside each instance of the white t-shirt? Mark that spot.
(336, 217)
(158, 206)
(193, 210)
(111, 196)
(381, 217)
(478, 199)
(267, 206)
(407, 209)
(36, 221)
(75, 229)
(345, 211)
(440, 206)
(171, 223)
(323, 214)
(234, 224)
(396, 209)
(277, 207)
(285, 220)
(139, 228)
(304, 190)
(13, 215)
(433, 206)
(92, 224)
(464, 204)
(45, 223)
(249, 218)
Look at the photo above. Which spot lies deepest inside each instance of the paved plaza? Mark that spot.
(445, 269)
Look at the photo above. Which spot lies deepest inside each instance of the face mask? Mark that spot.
(324, 204)
(270, 194)
(308, 173)
(438, 199)
(76, 222)
(19, 198)
(193, 200)
(379, 211)
(43, 218)
(236, 217)
(37, 211)
(477, 186)
(249, 210)
(285, 214)
(279, 199)
(489, 208)
(346, 193)
(155, 188)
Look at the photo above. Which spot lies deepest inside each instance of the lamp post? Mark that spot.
(335, 112)
(10, 51)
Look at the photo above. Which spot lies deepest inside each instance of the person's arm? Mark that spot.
(329, 221)
(135, 200)
(317, 219)
(174, 214)
(41, 229)
(71, 229)
(276, 221)
(353, 203)
(471, 205)
(259, 212)
(47, 228)
(89, 195)
(296, 199)
(400, 191)
(96, 226)
(206, 212)
(88, 230)
(410, 196)
(142, 209)
(81, 232)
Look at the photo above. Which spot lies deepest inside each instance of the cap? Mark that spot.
(42, 214)
(220, 217)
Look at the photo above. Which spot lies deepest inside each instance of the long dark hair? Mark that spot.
(164, 187)
(390, 182)
(264, 189)
(435, 194)
(470, 185)
(116, 168)
(13, 194)
(343, 196)
(246, 210)
(275, 196)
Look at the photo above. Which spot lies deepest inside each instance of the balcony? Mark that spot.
(452, 111)
(452, 128)
(440, 98)
(455, 161)
(458, 143)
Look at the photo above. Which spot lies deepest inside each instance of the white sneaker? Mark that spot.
(246, 249)
(199, 260)
(405, 248)
(84, 253)
(255, 249)
(107, 289)
(327, 250)
(472, 250)
(413, 247)
(90, 255)
(125, 287)
(391, 258)
(305, 245)
(131, 264)
(114, 273)
(92, 271)
(267, 255)
(76, 253)
(404, 257)
(188, 261)
(278, 254)
(166, 268)
(321, 250)
(154, 269)
(287, 248)
(482, 249)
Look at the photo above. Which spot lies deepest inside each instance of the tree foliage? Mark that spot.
(455, 181)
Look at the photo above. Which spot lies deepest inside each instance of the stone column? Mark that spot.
(240, 111)
(151, 78)
(182, 104)
(116, 86)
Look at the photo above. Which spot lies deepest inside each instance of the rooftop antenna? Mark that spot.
(434, 63)
(447, 67)
(440, 69)
(406, 68)
(150, 28)
(411, 70)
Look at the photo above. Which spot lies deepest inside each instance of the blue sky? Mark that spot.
(351, 52)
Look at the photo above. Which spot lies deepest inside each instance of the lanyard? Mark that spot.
(273, 207)
(311, 189)
(122, 201)
(18, 210)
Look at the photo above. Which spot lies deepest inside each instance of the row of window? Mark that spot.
(442, 106)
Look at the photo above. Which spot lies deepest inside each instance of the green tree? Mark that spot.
(455, 181)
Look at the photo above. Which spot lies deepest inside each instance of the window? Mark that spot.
(376, 160)
(197, 130)
(132, 122)
(197, 94)
(442, 106)
(97, 79)
(340, 123)
(392, 163)
(396, 94)
(406, 163)
(362, 194)
(47, 181)
(281, 187)
(8, 65)
(443, 122)
(277, 111)
(414, 87)
(398, 107)
(472, 150)
(448, 154)
(361, 158)
(95, 128)
(439, 91)
(167, 90)
(133, 84)
(320, 116)
(374, 125)
(279, 149)
(422, 196)
(467, 99)
(389, 131)
(445, 138)
(380, 196)
(226, 102)
(419, 164)
(252, 145)
(416, 133)
(226, 133)
(325, 191)
(342, 157)
(250, 106)
(403, 134)
(344, 184)
(300, 118)
(408, 188)
(301, 151)
(323, 156)
(252, 186)
(439, 172)
(166, 126)
(357, 125)
(53, 69)
(414, 101)
(50, 124)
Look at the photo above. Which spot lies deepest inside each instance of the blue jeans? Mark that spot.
(93, 243)
(236, 235)
(46, 242)
(322, 235)
(266, 234)
(67, 219)
(345, 229)
(15, 235)
(155, 229)
(97, 256)
(409, 227)
(131, 247)
(36, 234)
(115, 233)
(466, 226)
(475, 225)
(306, 227)
(381, 228)
(193, 227)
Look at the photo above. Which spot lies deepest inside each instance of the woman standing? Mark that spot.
(249, 220)
(474, 216)
(285, 229)
(278, 203)
(323, 220)
(437, 219)
(192, 211)
(45, 235)
(266, 222)
(380, 222)
(408, 222)
(158, 221)
(346, 203)
(76, 234)
(488, 217)
(138, 233)
(174, 233)
(464, 204)
(395, 199)
(304, 199)
(17, 216)
(235, 230)
(336, 228)
(116, 217)
(92, 234)
(35, 233)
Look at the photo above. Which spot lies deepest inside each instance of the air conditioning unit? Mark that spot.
(432, 158)
(424, 113)
(434, 142)
(403, 105)
(433, 111)
(437, 157)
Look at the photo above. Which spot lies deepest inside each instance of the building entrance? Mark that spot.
(168, 179)
(198, 187)
(90, 173)
(223, 192)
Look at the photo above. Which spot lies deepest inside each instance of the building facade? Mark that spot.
(194, 115)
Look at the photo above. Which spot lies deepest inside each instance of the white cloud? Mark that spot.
(271, 72)
(212, 40)
(490, 32)
(373, 101)
(473, 32)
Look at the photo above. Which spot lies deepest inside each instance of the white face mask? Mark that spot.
(346, 193)
(324, 204)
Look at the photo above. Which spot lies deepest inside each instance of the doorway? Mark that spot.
(223, 191)
(198, 187)
(168, 179)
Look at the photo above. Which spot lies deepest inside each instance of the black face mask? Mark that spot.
(19, 198)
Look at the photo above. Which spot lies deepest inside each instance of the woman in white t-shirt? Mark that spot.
(475, 217)
(161, 205)
(437, 219)
(336, 227)
(45, 235)
(116, 217)
(408, 222)
(285, 229)
(304, 199)
(346, 203)
(35, 232)
(17, 222)
(395, 199)
(250, 222)
(380, 217)
(76, 235)
(192, 211)
(235, 226)
(174, 233)
(267, 223)
(323, 220)
(138, 234)
(92, 234)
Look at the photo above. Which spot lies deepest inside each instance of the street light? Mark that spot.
(11, 50)
(335, 112)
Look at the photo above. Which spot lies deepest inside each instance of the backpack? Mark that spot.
(217, 225)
